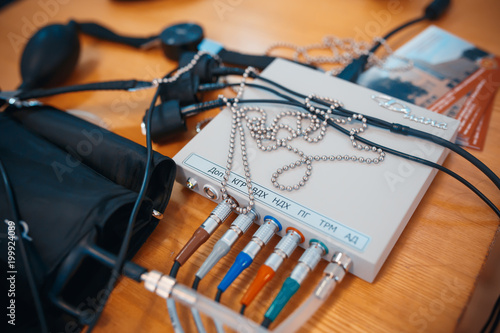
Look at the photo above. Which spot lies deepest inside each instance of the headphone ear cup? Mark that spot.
(50, 56)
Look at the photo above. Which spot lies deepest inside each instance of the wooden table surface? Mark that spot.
(428, 278)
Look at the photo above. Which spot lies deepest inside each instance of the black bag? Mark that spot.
(75, 184)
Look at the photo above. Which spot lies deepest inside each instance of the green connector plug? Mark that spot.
(289, 288)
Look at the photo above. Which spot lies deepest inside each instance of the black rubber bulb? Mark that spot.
(50, 56)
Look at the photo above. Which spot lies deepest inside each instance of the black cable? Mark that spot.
(29, 273)
(217, 86)
(277, 85)
(406, 131)
(433, 165)
(386, 149)
(402, 130)
(338, 111)
(225, 71)
(421, 161)
(418, 160)
(169, 74)
(106, 85)
(354, 69)
(218, 295)
(432, 12)
(457, 149)
(175, 269)
(495, 323)
(266, 322)
(196, 282)
(398, 29)
(128, 85)
(496, 309)
(242, 310)
(133, 216)
(277, 93)
(395, 128)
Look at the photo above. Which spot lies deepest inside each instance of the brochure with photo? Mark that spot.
(449, 76)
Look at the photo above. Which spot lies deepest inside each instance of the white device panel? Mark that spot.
(349, 206)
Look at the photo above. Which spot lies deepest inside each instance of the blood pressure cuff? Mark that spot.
(73, 181)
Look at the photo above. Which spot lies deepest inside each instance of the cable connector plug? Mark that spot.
(246, 256)
(333, 274)
(158, 283)
(307, 263)
(224, 244)
(266, 272)
(200, 236)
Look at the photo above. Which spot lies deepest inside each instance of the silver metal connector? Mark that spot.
(151, 280)
(218, 215)
(308, 261)
(283, 250)
(261, 237)
(165, 286)
(239, 226)
(158, 283)
(333, 274)
(191, 183)
(243, 222)
(340, 265)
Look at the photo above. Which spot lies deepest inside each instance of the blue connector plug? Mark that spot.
(246, 256)
(242, 262)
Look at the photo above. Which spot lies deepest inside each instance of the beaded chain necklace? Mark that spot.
(314, 132)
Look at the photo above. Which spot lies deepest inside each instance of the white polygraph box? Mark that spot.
(349, 206)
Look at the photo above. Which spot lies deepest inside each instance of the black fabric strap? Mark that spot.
(257, 61)
(240, 59)
(101, 32)
(229, 57)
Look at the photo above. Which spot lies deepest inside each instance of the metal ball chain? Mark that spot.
(263, 133)
(237, 125)
(327, 115)
(354, 131)
(344, 50)
(185, 69)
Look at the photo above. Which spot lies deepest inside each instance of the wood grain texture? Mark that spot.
(426, 281)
